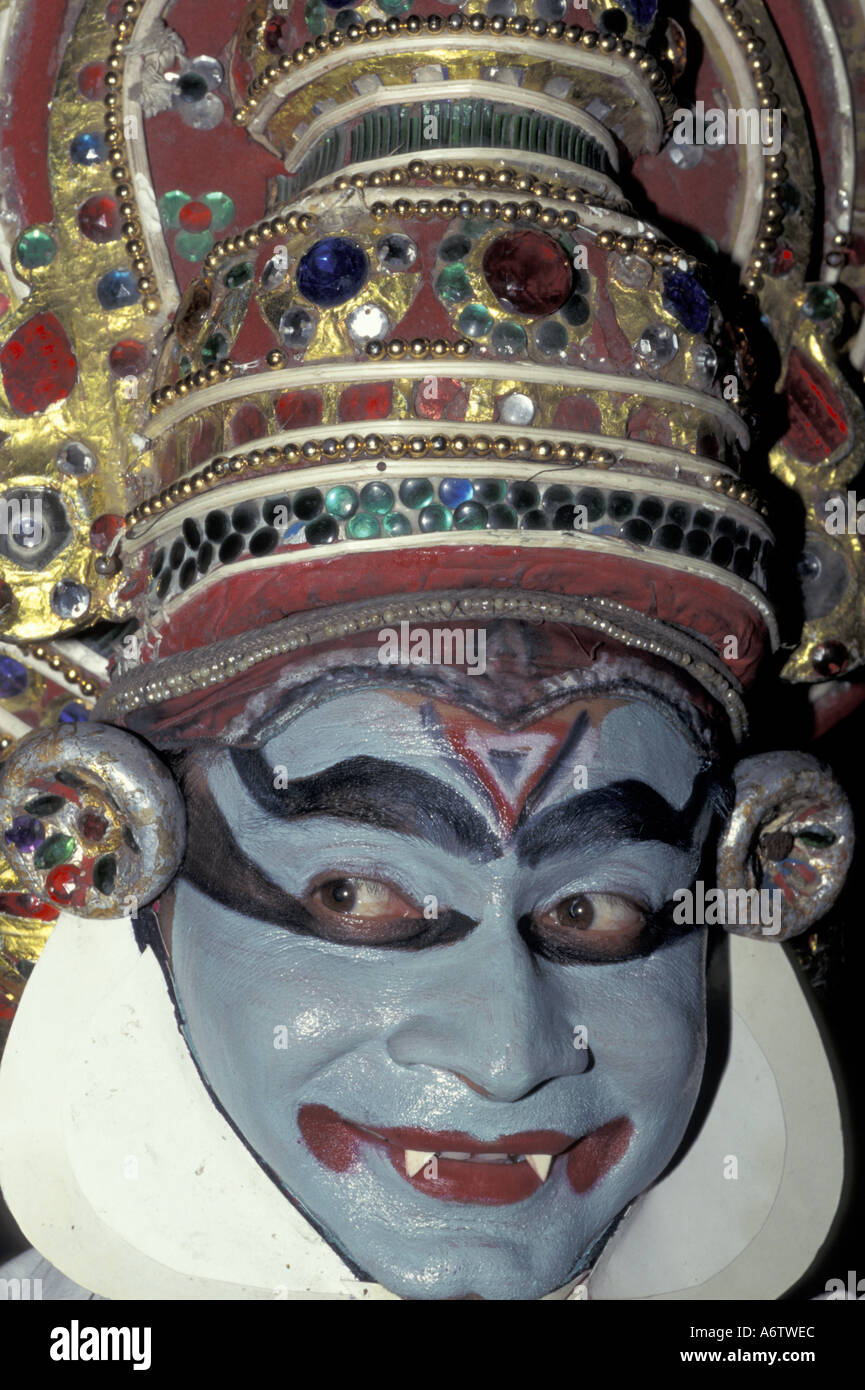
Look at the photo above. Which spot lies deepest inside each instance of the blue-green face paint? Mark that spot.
(405, 931)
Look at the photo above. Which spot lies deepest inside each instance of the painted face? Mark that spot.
(425, 965)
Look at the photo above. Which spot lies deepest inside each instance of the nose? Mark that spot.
(494, 1018)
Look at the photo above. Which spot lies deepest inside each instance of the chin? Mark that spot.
(479, 1268)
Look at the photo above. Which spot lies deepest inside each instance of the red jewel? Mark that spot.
(92, 826)
(818, 420)
(99, 219)
(195, 216)
(91, 81)
(578, 413)
(784, 261)
(528, 272)
(114, 10)
(129, 358)
(37, 365)
(103, 531)
(27, 905)
(66, 885)
(830, 658)
(274, 33)
(370, 402)
(248, 424)
(296, 408)
(433, 395)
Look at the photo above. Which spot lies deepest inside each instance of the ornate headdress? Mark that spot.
(348, 320)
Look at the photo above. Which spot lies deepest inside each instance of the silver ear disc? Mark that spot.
(791, 834)
(91, 820)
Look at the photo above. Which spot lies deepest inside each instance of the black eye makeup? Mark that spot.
(598, 929)
(350, 907)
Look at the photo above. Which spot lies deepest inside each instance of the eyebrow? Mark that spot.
(626, 810)
(376, 792)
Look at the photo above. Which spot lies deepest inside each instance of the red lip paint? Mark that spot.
(337, 1143)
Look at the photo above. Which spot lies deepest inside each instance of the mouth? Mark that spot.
(455, 1167)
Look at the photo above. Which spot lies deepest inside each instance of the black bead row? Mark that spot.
(254, 529)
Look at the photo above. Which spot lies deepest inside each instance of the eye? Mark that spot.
(361, 897)
(363, 910)
(590, 926)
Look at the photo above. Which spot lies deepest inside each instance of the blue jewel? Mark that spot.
(117, 289)
(74, 713)
(453, 491)
(332, 271)
(642, 11)
(685, 297)
(337, 4)
(88, 148)
(13, 677)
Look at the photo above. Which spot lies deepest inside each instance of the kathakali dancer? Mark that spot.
(417, 428)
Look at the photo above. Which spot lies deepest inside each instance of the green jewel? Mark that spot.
(509, 337)
(415, 492)
(193, 246)
(489, 489)
(470, 516)
(395, 6)
(170, 205)
(341, 502)
(363, 527)
(453, 283)
(214, 349)
(435, 517)
(376, 498)
(475, 320)
(221, 209)
(55, 850)
(314, 16)
(185, 366)
(821, 302)
(35, 247)
(237, 275)
(397, 525)
(105, 873)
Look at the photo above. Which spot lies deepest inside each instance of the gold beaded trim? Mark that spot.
(224, 660)
(70, 673)
(776, 164)
(424, 209)
(133, 238)
(647, 244)
(413, 25)
(418, 348)
(398, 446)
(474, 175)
(196, 381)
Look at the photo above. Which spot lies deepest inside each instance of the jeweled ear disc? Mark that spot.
(791, 833)
(91, 820)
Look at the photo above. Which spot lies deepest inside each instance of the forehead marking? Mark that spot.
(508, 765)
